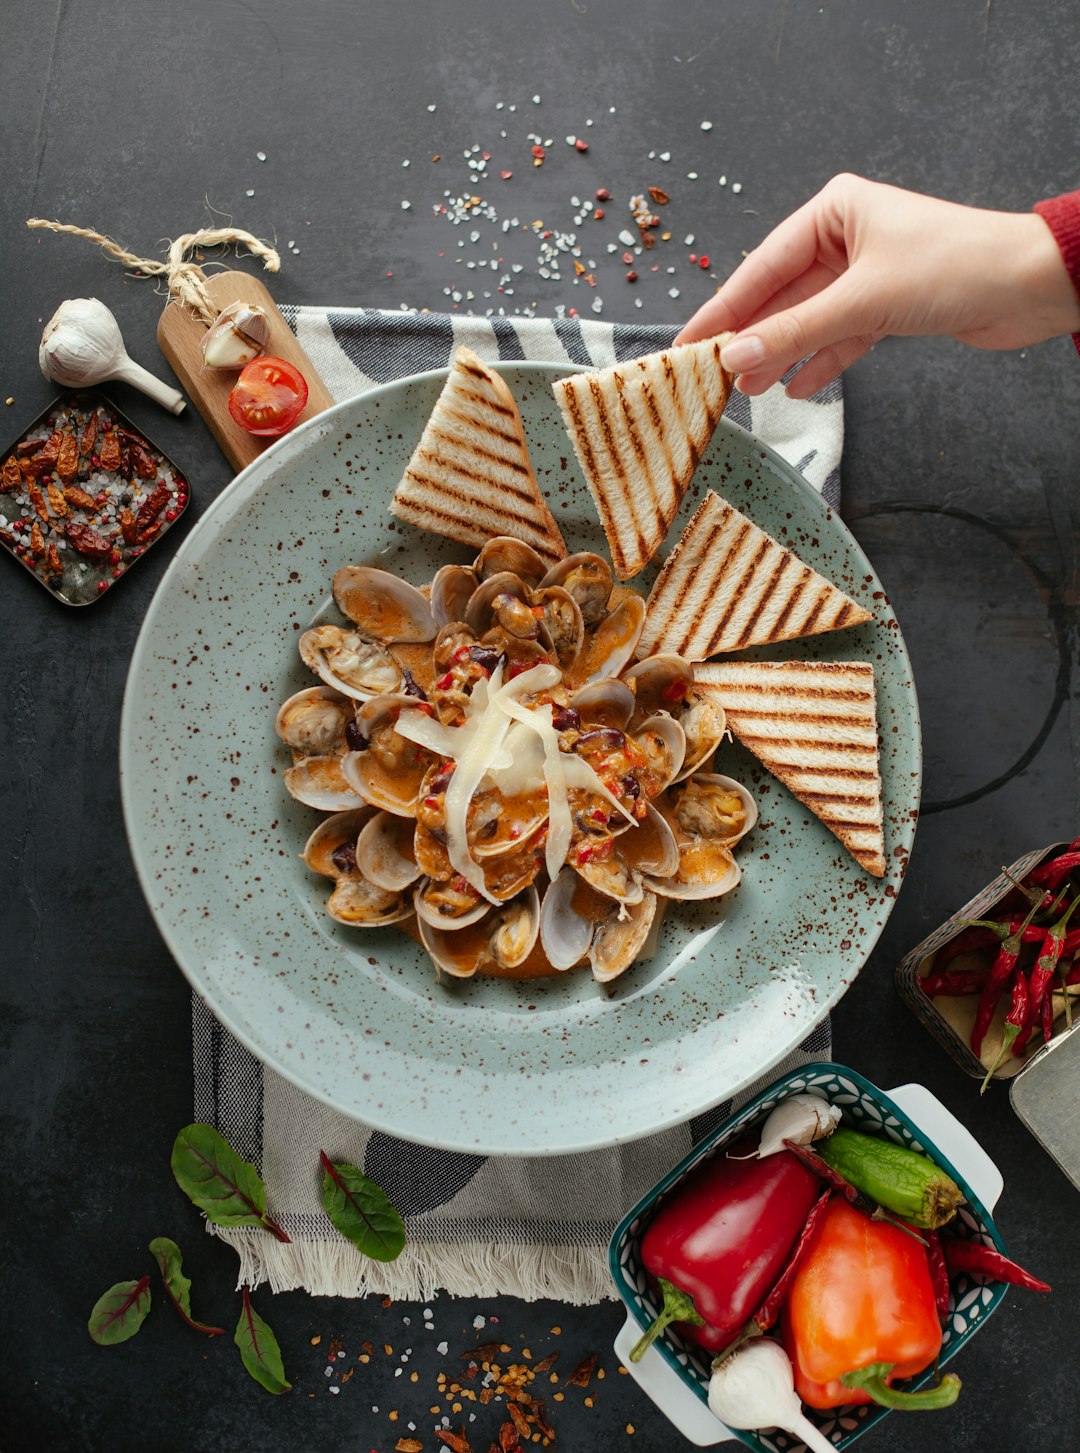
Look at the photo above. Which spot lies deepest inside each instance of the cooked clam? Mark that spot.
(361, 904)
(561, 624)
(663, 742)
(313, 721)
(620, 939)
(505, 554)
(502, 938)
(612, 643)
(331, 848)
(319, 782)
(704, 722)
(384, 852)
(502, 600)
(389, 770)
(349, 662)
(383, 606)
(608, 702)
(451, 904)
(708, 815)
(451, 590)
(589, 580)
(660, 683)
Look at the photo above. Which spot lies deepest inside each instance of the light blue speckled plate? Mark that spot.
(357, 1018)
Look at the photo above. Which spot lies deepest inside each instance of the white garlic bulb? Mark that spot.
(238, 334)
(82, 345)
(755, 1388)
(801, 1118)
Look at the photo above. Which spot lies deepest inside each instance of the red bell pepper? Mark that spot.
(720, 1243)
(862, 1311)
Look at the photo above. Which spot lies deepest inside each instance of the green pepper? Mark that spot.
(901, 1180)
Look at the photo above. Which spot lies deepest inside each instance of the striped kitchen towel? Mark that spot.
(476, 1225)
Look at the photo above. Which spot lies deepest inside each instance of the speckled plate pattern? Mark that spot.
(357, 1017)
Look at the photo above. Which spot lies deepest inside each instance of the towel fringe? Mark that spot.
(577, 1275)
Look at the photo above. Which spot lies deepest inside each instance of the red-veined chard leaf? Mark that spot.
(211, 1174)
(361, 1210)
(120, 1312)
(259, 1349)
(178, 1286)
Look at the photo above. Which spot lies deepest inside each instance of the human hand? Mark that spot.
(862, 260)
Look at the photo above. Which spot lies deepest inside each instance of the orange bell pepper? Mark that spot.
(861, 1311)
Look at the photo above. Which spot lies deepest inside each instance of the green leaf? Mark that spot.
(178, 1286)
(259, 1349)
(212, 1175)
(120, 1313)
(361, 1210)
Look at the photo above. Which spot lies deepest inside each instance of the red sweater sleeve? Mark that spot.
(1062, 216)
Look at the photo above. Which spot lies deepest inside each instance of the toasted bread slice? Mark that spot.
(813, 724)
(727, 584)
(470, 476)
(639, 430)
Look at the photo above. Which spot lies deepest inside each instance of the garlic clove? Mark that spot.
(754, 1388)
(239, 333)
(802, 1118)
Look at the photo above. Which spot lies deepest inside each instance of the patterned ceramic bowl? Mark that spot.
(675, 1373)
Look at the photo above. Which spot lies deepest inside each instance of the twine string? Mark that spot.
(186, 280)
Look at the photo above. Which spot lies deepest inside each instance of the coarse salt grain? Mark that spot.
(665, 156)
(673, 292)
(335, 1390)
(736, 186)
(442, 1348)
(706, 126)
(250, 192)
(260, 156)
(405, 205)
(479, 1322)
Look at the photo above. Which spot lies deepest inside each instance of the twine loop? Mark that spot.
(186, 280)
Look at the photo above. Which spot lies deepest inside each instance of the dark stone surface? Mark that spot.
(137, 118)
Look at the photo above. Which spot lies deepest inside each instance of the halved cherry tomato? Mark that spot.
(268, 397)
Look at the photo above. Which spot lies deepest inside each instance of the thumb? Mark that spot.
(769, 346)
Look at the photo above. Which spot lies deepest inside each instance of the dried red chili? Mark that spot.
(982, 1260)
(88, 542)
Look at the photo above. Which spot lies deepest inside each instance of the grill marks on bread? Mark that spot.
(470, 476)
(727, 584)
(812, 724)
(639, 430)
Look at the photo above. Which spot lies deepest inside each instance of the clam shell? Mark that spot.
(385, 854)
(608, 702)
(612, 877)
(460, 953)
(349, 662)
(514, 613)
(565, 934)
(654, 676)
(501, 825)
(361, 904)
(451, 590)
(332, 834)
(313, 720)
(702, 781)
(712, 877)
(589, 580)
(704, 722)
(561, 626)
(514, 929)
(319, 782)
(504, 553)
(621, 938)
(389, 773)
(663, 741)
(613, 642)
(650, 848)
(438, 903)
(385, 607)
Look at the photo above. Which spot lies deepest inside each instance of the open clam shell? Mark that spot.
(620, 939)
(385, 854)
(499, 824)
(605, 703)
(448, 904)
(708, 815)
(451, 590)
(331, 848)
(589, 580)
(661, 683)
(611, 876)
(502, 600)
(319, 782)
(704, 722)
(313, 721)
(650, 847)
(389, 772)
(349, 662)
(566, 927)
(361, 904)
(611, 644)
(663, 742)
(503, 553)
(385, 607)
(561, 625)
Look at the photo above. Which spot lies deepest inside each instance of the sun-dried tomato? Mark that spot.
(109, 450)
(54, 564)
(659, 196)
(67, 457)
(29, 446)
(152, 506)
(456, 1442)
(88, 541)
(89, 436)
(509, 1441)
(41, 464)
(128, 527)
(10, 475)
(519, 1420)
(144, 466)
(57, 502)
(37, 539)
(37, 499)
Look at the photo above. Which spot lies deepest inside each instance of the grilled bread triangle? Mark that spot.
(727, 584)
(470, 476)
(638, 430)
(813, 724)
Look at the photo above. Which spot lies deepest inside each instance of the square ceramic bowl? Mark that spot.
(675, 1373)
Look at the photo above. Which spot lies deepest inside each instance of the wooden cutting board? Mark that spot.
(180, 337)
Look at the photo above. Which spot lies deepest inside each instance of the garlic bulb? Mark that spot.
(801, 1118)
(82, 345)
(754, 1388)
(238, 334)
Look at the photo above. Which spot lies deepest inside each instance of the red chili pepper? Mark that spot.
(957, 982)
(972, 937)
(674, 691)
(444, 683)
(1015, 1021)
(982, 1260)
(939, 1274)
(1053, 873)
(767, 1313)
(996, 984)
(721, 1240)
(1042, 976)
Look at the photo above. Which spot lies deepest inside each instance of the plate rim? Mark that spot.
(205, 527)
